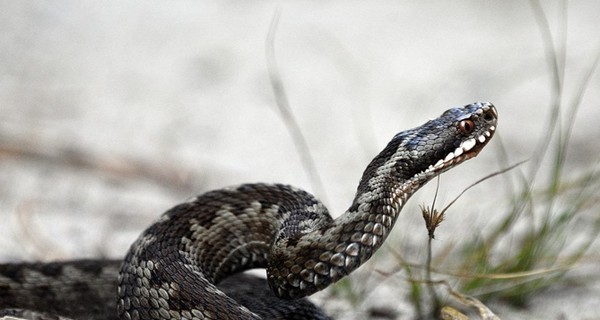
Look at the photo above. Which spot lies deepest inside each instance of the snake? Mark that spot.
(189, 263)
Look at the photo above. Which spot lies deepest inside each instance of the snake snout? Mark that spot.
(489, 113)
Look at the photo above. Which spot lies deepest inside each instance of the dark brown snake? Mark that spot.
(173, 269)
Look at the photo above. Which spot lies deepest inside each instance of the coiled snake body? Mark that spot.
(172, 270)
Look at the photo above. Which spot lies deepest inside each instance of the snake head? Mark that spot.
(463, 131)
(421, 153)
(439, 144)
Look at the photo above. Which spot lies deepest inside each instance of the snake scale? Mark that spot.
(187, 265)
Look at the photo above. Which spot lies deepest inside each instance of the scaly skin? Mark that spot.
(172, 270)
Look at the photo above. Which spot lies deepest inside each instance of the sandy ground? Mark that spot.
(113, 111)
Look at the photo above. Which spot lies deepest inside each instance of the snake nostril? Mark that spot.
(488, 116)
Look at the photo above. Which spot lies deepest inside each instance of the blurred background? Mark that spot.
(112, 112)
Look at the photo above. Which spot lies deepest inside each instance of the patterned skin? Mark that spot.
(174, 269)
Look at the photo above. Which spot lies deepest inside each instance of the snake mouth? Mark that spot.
(466, 150)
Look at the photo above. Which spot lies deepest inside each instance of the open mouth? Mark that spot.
(467, 150)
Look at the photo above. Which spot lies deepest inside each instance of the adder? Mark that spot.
(187, 264)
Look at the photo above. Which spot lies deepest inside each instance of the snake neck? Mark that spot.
(382, 192)
(342, 245)
(319, 254)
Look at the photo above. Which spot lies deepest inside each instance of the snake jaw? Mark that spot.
(464, 152)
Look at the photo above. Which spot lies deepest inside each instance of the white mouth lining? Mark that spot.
(464, 147)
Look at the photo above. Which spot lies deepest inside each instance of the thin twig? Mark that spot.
(481, 180)
(41, 245)
(286, 112)
(435, 299)
(164, 174)
(429, 216)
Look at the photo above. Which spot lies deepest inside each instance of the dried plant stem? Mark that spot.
(491, 175)
(434, 297)
(286, 112)
(432, 221)
(170, 176)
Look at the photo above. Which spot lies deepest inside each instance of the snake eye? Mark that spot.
(466, 126)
